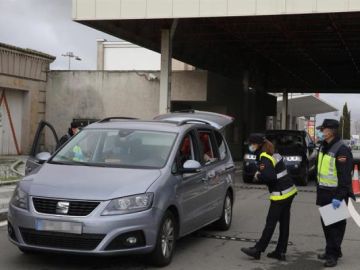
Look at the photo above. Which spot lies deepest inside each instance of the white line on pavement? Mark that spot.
(3, 224)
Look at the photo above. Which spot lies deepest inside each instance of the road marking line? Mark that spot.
(232, 238)
(3, 223)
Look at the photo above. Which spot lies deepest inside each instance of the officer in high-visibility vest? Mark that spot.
(334, 168)
(273, 173)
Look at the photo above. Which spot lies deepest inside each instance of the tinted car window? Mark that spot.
(287, 143)
(208, 146)
(221, 145)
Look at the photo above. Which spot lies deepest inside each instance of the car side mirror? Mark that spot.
(43, 156)
(190, 166)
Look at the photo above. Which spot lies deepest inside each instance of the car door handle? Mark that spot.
(205, 179)
(229, 168)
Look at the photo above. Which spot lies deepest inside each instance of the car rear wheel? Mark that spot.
(224, 222)
(165, 245)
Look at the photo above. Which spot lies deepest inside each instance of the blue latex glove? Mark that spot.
(335, 203)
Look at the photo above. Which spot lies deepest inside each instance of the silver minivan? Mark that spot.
(125, 186)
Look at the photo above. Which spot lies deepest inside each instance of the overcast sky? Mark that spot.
(46, 25)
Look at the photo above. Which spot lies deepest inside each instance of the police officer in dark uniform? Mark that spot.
(334, 168)
(73, 130)
(273, 173)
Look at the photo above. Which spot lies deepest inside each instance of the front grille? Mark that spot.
(61, 240)
(76, 208)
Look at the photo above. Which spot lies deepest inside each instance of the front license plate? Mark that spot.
(58, 226)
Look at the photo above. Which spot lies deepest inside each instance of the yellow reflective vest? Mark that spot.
(284, 187)
(326, 167)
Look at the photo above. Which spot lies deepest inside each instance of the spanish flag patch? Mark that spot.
(342, 158)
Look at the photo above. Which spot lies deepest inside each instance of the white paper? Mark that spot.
(331, 215)
(354, 214)
(357, 199)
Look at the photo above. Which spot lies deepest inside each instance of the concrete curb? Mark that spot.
(3, 214)
(8, 183)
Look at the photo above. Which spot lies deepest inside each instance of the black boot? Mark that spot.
(277, 255)
(252, 252)
(322, 256)
(330, 262)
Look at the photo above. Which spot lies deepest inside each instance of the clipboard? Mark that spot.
(330, 215)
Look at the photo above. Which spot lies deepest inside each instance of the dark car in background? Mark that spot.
(299, 152)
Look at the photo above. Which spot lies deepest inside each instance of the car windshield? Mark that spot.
(287, 143)
(117, 148)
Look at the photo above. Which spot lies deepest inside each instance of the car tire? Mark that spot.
(304, 180)
(166, 241)
(224, 223)
(247, 178)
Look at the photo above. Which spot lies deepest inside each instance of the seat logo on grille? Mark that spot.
(62, 207)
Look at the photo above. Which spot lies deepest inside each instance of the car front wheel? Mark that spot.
(224, 222)
(165, 245)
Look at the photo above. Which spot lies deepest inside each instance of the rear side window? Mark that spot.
(221, 145)
(208, 147)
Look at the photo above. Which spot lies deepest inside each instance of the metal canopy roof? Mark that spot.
(300, 53)
(306, 105)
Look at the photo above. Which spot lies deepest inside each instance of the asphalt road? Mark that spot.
(199, 251)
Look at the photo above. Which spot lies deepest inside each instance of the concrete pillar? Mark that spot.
(284, 111)
(100, 54)
(165, 72)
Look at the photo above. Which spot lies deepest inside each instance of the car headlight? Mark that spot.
(293, 158)
(131, 204)
(250, 157)
(20, 199)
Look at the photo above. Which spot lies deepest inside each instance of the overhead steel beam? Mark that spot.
(343, 42)
(300, 47)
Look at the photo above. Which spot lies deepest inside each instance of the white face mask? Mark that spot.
(252, 148)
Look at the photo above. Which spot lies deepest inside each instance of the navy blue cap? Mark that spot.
(329, 123)
(257, 138)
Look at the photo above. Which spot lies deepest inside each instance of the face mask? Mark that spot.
(320, 136)
(252, 148)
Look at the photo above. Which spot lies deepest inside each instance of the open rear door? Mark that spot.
(219, 121)
(38, 145)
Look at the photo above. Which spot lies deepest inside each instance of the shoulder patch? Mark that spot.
(262, 166)
(341, 158)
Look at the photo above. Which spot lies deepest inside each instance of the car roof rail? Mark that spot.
(108, 119)
(185, 111)
(187, 121)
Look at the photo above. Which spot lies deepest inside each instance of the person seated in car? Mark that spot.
(208, 156)
(185, 151)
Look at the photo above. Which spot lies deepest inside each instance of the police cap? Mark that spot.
(329, 123)
(257, 138)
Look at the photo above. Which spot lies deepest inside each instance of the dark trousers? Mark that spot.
(279, 211)
(334, 235)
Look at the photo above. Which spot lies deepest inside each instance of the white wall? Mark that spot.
(130, 59)
(131, 9)
(127, 56)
